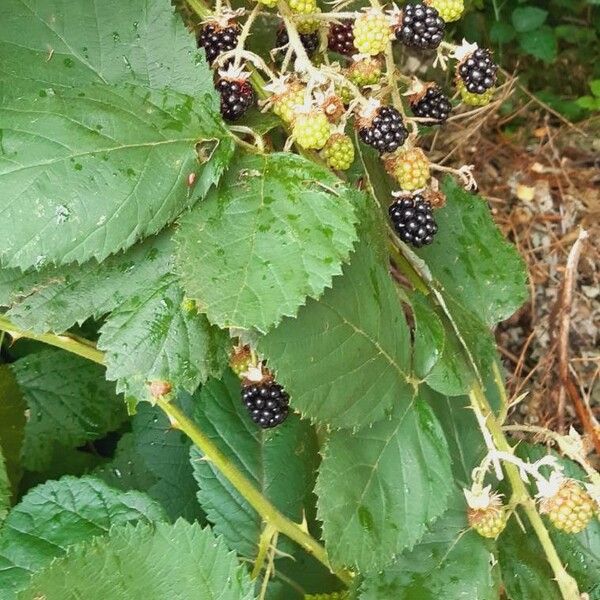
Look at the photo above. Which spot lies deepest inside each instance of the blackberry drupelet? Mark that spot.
(237, 96)
(386, 131)
(267, 403)
(478, 71)
(216, 39)
(421, 27)
(310, 41)
(340, 38)
(433, 104)
(413, 220)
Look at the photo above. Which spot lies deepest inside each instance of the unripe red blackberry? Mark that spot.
(431, 103)
(478, 71)
(237, 94)
(420, 27)
(217, 37)
(409, 167)
(366, 71)
(340, 38)
(413, 220)
(382, 128)
(267, 402)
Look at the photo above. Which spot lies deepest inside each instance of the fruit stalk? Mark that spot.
(269, 513)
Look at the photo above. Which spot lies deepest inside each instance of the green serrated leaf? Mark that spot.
(12, 424)
(85, 174)
(276, 231)
(472, 261)
(450, 562)
(55, 299)
(345, 359)
(61, 44)
(379, 488)
(279, 462)
(69, 401)
(154, 336)
(540, 43)
(178, 562)
(59, 514)
(527, 18)
(501, 32)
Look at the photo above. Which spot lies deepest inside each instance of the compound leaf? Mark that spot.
(275, 231)
(345, 359)
(156, 336)
(61, 44)
(85, 174)
(55, 299)
(69, 401)
(58, 514)
(179, 562)
(379, 488)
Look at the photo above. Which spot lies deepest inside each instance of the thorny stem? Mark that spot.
(566, 583)
(269, 513)
(69, 342)
(390, 69)
(562, 442)
(264, 544)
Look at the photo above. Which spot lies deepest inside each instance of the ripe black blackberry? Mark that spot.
(478, 71)
(412, 218)
(267, 403)
(420, 27)
(432, 104)
(216, 39)
(385, 131)
(310, 41)
(237, 96)
(340, 38)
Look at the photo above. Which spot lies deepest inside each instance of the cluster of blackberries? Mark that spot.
(412, 218)
(386, 131)
(478, 71)
(267, 403)
(421, 27)
(237, 94)
(433, 104)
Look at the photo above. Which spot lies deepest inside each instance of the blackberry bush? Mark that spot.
(208, 318)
